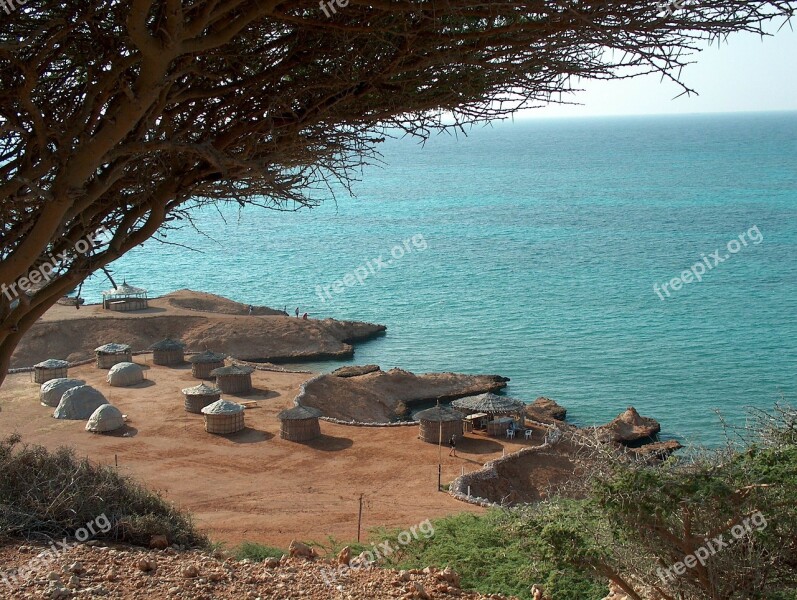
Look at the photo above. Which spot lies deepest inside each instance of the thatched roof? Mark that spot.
(232, 370)
(168, 344)
(490, 403)
(105, 418)
(222, 407)
(125, 290)
(439, 414)
(299, 413)
(79, 403)
(52, 363)
(206, 357)
(202, 390)
(113, 349)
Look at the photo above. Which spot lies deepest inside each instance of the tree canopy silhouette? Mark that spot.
(129, 115)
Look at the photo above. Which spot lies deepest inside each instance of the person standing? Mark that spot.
(251, 309)
(297, 312)
(452, 443)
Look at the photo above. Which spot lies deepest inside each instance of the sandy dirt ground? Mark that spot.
(253, 485)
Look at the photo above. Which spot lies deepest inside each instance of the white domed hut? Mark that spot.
(223, 417)
(51, 391)
(78, 403)
(106, 418)
(125, 374)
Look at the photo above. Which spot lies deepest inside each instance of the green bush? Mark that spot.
(54, 494)
(256, 552)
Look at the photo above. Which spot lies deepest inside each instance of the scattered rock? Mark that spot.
(629, 428)
(190, 571)
(146, 564)
(657, 451)
(75, 567)
(355, 370)
(298, 549)
(545, 410)
(158, 542)
(344, 556)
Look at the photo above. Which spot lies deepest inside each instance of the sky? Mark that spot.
(747, 73)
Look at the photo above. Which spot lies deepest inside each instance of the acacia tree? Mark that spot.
(129, 115)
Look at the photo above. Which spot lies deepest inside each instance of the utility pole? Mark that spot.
(439, 449)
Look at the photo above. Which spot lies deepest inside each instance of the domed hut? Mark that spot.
(200, 396)
(223, 417)
(439, 424)
(51, 391)
(235, 379)
(79, 403)
(125, 298)
(125, 374)
(106, 418)
(111, 354)
(202, 364)
(168, 352)
(300, 423)
(50, 369)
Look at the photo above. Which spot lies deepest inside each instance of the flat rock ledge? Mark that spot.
(546, 410)
(383, 398)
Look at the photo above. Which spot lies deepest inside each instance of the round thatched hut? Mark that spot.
(503, 412)
(111, 354)
(78, 403)
(125, 298)
(51, 391)
(125, 374)
(168, 352)
(223, 417)
(105, 418)
(200, 396)
(235, 379)
(438, 424)
(202, 364)
(300, 423)
(50, 369)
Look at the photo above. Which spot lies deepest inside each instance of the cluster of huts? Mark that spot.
(489, 411)
(73, 399)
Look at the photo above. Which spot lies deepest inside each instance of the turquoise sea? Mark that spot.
(531, 249)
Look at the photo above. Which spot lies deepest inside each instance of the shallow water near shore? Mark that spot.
(531, 250)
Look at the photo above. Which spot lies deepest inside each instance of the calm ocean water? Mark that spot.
(537, 247)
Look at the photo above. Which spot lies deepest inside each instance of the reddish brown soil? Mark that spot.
(254, 485)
